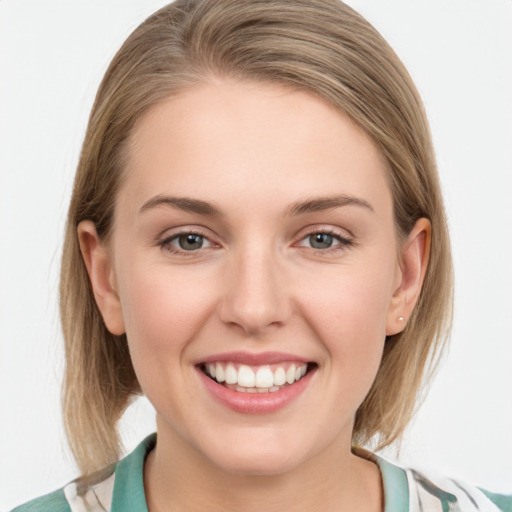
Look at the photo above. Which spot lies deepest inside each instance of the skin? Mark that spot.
(257, 284)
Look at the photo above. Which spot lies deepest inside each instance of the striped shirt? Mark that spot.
(405, 490)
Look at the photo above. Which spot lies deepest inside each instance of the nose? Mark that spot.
(255, 298)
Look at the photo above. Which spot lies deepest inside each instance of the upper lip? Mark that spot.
(253, 359)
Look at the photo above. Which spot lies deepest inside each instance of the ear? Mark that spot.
(414, 257)
(98, 261)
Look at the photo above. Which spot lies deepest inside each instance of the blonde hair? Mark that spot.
(321, 46)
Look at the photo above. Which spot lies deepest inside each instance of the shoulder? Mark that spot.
(53, 502)
(95, 496)
(410, 490)
(427, 488)
(117, 487)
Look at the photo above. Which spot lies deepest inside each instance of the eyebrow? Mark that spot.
(182, 203)
(318, 204)
(315, 204)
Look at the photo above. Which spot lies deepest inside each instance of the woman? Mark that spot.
(256, 241)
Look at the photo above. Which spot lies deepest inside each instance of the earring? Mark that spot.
(401, 318)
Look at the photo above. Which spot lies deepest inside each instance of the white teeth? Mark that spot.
(279, 376)
(246, 377)
(231, 374)
(264, 377)
(219, 373)
(290, 374)
(263, 380)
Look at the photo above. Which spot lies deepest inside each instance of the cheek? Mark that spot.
(348, 312)
(163, 310)
(349, 303)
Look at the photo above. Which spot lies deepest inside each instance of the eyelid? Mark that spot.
(344, 238)
(342, 233)
(164, 240)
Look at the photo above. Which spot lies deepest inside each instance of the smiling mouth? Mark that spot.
(256, 379)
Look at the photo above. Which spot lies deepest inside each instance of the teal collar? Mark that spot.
(394, 481)
(129, 493)
(396, 488)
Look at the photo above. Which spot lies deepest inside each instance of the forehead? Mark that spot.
(224, 140)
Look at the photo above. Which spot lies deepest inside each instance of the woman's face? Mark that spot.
(253, 241)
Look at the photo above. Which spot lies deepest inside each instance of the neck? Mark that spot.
(177, 479)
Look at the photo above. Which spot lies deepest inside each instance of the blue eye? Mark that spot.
(185, 242)
(321, 240)
(190, 242)
(325, 240)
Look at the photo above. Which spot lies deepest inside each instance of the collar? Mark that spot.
(129, 496)
(394, 481)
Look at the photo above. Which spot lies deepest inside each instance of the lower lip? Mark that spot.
(256, 403)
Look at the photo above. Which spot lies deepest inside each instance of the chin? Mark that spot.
(258, 465)
(263, 458)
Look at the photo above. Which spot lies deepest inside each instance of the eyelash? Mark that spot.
(166, 243)
(343, 242)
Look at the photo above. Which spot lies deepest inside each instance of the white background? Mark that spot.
(52, 57)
